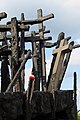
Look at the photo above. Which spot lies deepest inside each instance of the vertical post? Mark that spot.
(18, 71)
(22, 49)
(15, 51)
(75, 96)
(42, 50)
(35, 64)
(5, 77)
(30, 87)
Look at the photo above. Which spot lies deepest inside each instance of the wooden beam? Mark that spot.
(35, 58)
(4, 28)
(22, 49)
(75, 96)
(50, 45)
(14, 49)
(57, 65)
(37, 38)
(36, 33)
(42, 48)
(3, 15)
(5, 76)
(36, 21)
(18, 72)
(26, 39)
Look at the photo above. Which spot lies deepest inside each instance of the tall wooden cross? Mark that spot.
(64, 67)
(22, 56)
(42, 50)
(35, 58)
(64, 47)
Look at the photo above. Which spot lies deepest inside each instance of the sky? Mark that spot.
(66, 19)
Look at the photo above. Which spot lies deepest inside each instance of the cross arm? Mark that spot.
(36, 33)
(36, 38)
(3, 15)
(4, 28)
(36, 21)
(26, 39)
(49, 45)
(76, 46)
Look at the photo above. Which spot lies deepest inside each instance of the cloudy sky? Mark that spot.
(66, 19)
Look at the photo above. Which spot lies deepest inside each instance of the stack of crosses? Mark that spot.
(14, 55)
(13, 50)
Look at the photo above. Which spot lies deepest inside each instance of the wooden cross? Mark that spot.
(15, 26)
(64, 47)
(60, 51)
(42, 49)
(35, 21)
(22, 56)
(64, 67)
(35, 58)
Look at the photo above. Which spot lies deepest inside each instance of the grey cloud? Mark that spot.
(67, 13)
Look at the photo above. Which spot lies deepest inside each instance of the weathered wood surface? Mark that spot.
(58, 66)
(15, 51)
(4, 28)
(43, 104)
(36, 21)
(3, 15)
(27, 39)
(5, 76)
(35, 70)
(75, 96)
(42, 50)
(18, 71)
(4, 51)
(22, 55)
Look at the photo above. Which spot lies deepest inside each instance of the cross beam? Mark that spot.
(35, 69)
(36, 21)
(50, 82)
(3, 15)
(22, 49)
(26, 39)
(4, 28)
(59, 51)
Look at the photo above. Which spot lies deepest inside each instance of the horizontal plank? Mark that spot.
(35, 21)
(3, 15)
(4, 28)
(36, 38)
(26, 39)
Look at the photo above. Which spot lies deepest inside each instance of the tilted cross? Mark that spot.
(64, 47)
